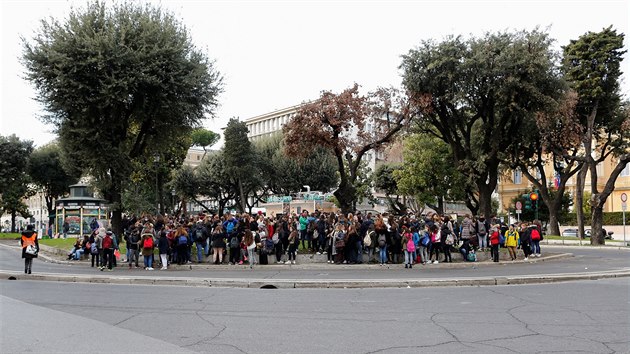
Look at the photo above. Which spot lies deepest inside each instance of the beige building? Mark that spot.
(514, 183)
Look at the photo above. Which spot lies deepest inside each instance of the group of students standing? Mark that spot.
(345, 239)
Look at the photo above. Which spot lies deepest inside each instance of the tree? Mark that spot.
(349, 125)
(474, 95)
(215, 182)
(239, 160)
(14, 180)
(384, 180)
(46, 170)
(428, 173)
(592, 66)
(204, 138)
(119, 82)
(543, 209)
(551, 136)
(284, 174)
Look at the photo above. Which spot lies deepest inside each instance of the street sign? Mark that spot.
(624, 197)
(519, 206)
(519, 211)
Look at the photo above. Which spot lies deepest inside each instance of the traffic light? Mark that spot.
(533, 196)
(528, 204)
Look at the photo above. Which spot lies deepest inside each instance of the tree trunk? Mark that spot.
(13, 221)
(115, 199)
(597, 218)
(241, 196)
(345, 195)
(579, 200)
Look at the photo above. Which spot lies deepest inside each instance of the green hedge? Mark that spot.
(613, 218)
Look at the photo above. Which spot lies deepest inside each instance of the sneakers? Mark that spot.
(150, 268)
(240, 263)
(537, 254)
(163, 268)
(406, 266)
(293, 262)
(526, 259)
(410, 266)
(287, 262)
(319, 253)
(435, 261)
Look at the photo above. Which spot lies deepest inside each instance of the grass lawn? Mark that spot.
(9, 236)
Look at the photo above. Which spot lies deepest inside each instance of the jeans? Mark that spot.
(200, 251)
(251, 256)
(148, 261)
(359, 247)
(408, 257)
(78, 253)
(424, 255)
(108, 254)
(536, 247)
(527, 248)
(482, 241)
(383, 254)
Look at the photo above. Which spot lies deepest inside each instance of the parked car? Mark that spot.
(587, 233)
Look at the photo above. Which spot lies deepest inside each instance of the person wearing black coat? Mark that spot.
(29, 240)
(163, 247)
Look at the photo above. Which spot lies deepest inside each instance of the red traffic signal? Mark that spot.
(533, 196)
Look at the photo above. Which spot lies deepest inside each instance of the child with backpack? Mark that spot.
(147, 244)
(424, 244)
(409, 247)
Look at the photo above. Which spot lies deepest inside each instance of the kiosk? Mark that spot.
(78, 210)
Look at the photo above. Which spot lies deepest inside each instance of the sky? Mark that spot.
(276, 54)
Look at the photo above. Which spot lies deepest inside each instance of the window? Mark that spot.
(518, 177)
(198, 157)
(626, 171)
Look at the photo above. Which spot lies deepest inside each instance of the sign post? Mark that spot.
(624, 206)
(519, 207)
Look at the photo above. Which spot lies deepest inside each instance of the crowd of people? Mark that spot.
(345, 239)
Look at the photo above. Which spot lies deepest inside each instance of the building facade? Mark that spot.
(513, 183)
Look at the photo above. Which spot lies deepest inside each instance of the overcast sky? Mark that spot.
(275, 54)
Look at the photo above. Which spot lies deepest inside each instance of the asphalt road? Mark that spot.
(572, 317)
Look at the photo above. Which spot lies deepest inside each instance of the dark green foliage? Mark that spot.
(14, 180)
(475, 94)
(120, 83)
(283, 174)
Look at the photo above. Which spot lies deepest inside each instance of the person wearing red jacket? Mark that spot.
(494, 242)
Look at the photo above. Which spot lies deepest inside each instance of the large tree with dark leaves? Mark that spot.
(14, 180)
(474, 95)
(592, 67)
(119, 82)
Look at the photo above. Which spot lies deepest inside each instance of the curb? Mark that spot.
(317, 284)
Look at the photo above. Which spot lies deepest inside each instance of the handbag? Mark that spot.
(31, 249)
(340, 244)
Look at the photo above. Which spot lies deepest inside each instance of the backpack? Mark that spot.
(310, 227)
(93, 248)
(450, 239)
(501, 239)
(234, 242)
(535, 235)
(482, 228)
(382, 240)
(148, 242)
(229, 227)
(107, 242)
(411, 247)
(199, 235)
(182, 240)
(269, 245)
(425, 240)
(472, 257)
(367, 240)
